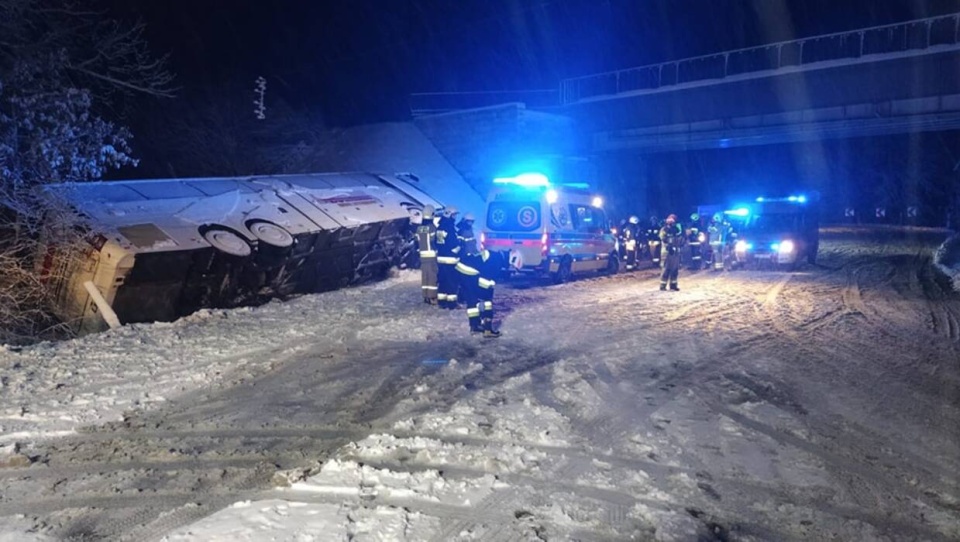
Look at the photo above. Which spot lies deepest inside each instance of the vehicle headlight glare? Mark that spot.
(786, 247)
(741, 246)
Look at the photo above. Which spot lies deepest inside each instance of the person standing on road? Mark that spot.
(653, 239)
(468, 239)
(426, 239)
(718, 233)
(448, 254)
(630, 234)
(478, 273)
(671, 240)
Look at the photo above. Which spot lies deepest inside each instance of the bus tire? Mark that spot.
(227, 241)
(270, 233)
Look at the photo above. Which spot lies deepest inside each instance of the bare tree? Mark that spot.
(63, 67)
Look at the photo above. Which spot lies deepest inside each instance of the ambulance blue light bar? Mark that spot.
(524, 179)
(793, 199)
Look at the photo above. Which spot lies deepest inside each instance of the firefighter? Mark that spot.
(695, 240)
(478, 273)
(653, 239)
(720, 234)
(448, 254)
(427, 240)
(630, 234)
(468, 240)
(671, 240)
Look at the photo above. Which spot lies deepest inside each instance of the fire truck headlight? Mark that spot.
(597, 201)
(786, 247)
(552, 196)
(741, 246)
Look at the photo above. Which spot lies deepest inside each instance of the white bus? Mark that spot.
(161, 249)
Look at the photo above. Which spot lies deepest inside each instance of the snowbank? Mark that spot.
(947, 260)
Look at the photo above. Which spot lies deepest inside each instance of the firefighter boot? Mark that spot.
(488, 331)
(674, 288)
(663, 287)
(476, 324)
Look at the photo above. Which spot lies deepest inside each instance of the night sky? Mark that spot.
(359, 59)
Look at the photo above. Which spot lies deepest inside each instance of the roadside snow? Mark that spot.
(750, 406)
(947, 259)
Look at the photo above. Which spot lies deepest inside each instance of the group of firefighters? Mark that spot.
(664, 241)
(455, 270)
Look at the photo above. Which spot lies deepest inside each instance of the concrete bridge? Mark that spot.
(881, 80)
(874, 81)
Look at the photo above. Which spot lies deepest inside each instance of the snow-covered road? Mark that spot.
(820, 404)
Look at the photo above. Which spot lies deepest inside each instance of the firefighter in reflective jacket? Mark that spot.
(427, 240)
(631, 240)
(720, 234)
(468, 240)
(448, 254)
(478, 273)
(671, 239)
(653, 239)
(695, 240)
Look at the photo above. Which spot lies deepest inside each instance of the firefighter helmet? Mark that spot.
(672, 218)
(428, 211)
(469, 216)
(449, 211)
(634, 219)
(717, 217)
(695, 217)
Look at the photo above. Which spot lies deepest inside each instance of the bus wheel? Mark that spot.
(227, 242)
(270, 234)
(564, 271)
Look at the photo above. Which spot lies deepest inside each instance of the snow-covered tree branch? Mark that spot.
(62, 65)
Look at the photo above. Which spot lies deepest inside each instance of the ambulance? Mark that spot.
(550, 230)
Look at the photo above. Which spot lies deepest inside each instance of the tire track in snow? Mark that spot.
(844, 450)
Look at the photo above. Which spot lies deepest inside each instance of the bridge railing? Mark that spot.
(907, 37)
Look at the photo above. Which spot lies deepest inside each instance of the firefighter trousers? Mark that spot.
(447, 284)
(428, 279)
(671, 270)
(479, 302)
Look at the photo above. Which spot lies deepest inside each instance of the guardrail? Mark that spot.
(919, 35)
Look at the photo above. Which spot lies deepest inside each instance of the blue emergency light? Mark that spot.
(792, 199)
(742, 211)
(525, 179)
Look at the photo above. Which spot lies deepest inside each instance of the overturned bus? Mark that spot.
(161, 249)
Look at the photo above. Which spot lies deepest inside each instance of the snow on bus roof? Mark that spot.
(200, 187)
